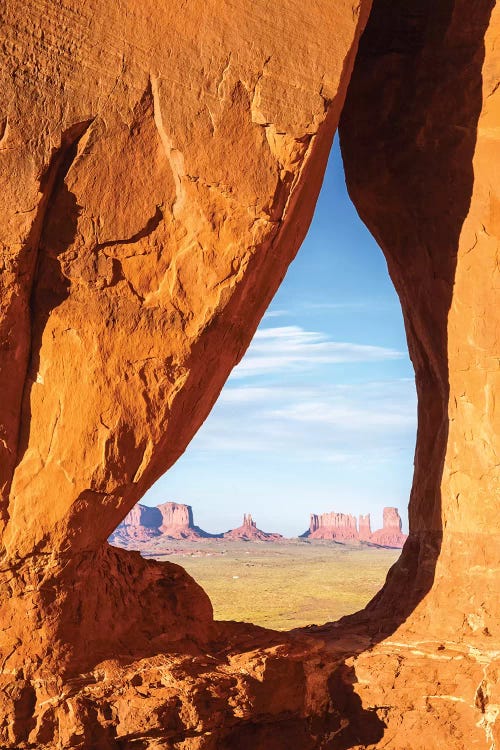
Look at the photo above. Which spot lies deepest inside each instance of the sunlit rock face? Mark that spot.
(160, 163)
(140, 524)
(159, 167)
(151, 181)
(177, 522)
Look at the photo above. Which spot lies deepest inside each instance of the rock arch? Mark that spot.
(160, 168)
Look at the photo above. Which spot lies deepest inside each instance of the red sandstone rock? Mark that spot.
(421, 148)
(340, 527)
(156, 179)
(168, 520)
(391, 534)
(177, 522)
(159, 168)
(248, 531)
(365, 529)
(141, 524)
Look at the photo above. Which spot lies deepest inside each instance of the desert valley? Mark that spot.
(333, 569)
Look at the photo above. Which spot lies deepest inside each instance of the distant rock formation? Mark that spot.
(248, 531)
(391, 534)
(343, 527)
(170, 520)
(175, 521)
(337, 526)
(140, 525)
(178, 523)
(365, 528)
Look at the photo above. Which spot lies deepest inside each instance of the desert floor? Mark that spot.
(283, 585)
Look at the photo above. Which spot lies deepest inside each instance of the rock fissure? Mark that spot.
(150, 226)
(173, 155)
(50, 181)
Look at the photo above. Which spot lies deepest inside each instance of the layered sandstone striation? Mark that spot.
(249, 532)
(159, 168)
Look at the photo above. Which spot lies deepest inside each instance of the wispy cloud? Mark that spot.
(347, 416)
(362, 305)
(347, 423)
(275, 314)
(285, 347)
(349, 305)
(247, 395)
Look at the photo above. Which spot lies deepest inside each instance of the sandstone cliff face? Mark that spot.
(127, 294)
(338, 526)
(248, 532)
(421, 169)
(392, 519)
(175, 516)
(157, 177)
(141, 288)
(177, 522)
(419, 137)
(343, 527)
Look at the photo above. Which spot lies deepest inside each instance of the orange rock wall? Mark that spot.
(419, 142)
(159, 168)
(152, 162)
(419, 136)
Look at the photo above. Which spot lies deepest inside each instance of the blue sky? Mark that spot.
(320, 415)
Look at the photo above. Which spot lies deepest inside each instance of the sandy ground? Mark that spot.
(283, 585)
